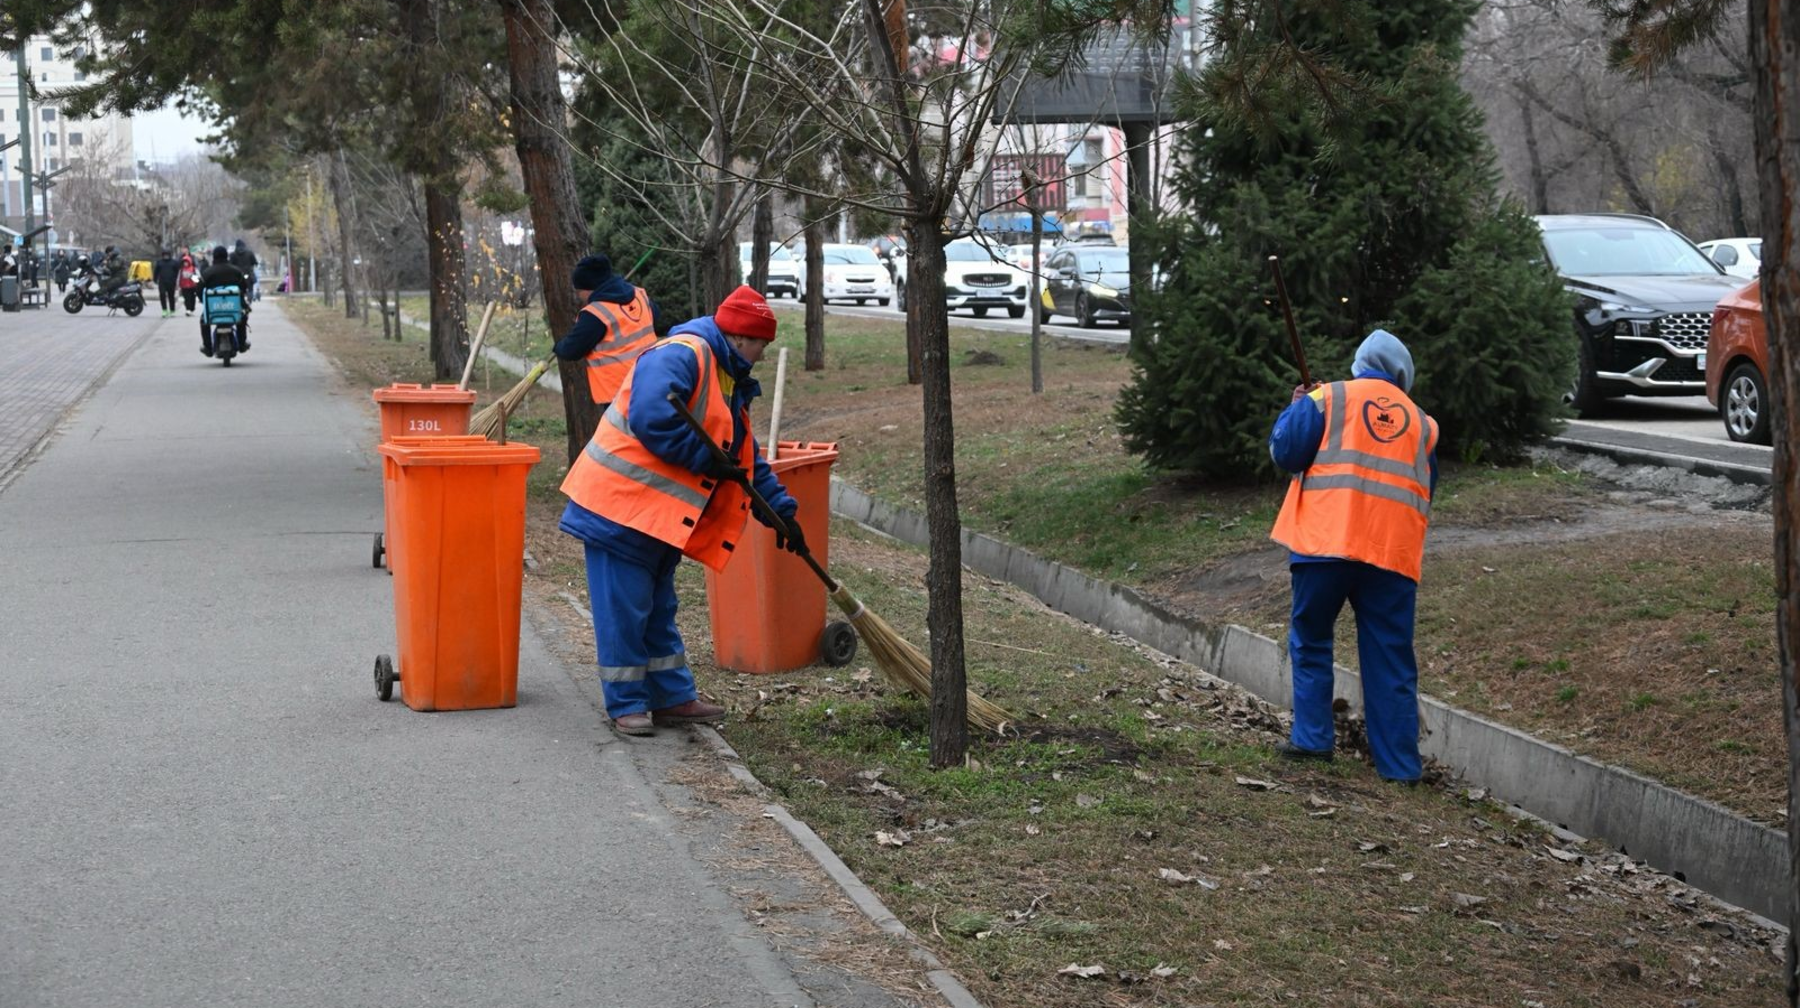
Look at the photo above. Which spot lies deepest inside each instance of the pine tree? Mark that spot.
(1355, 156)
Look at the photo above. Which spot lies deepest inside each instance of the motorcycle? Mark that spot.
(88, 292)
(222, 311)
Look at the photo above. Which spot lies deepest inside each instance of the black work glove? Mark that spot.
(789, 537)
(723, 470)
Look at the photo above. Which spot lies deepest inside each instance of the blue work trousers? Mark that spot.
(643, 665)
(1383, 602)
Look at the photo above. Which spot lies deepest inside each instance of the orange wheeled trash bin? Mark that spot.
(461, 502)
(767, 607)
(409, 410)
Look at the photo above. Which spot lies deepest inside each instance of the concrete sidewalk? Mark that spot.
(204, 803)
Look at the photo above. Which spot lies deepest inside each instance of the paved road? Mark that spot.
(49, 360)
(204, 804)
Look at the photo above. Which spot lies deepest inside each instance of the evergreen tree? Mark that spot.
(1362, 164)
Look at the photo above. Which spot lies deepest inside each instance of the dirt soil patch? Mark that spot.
(1138, 844)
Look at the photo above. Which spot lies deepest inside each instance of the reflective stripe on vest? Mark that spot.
(630, 330)
(1367, 495)
(617, 477)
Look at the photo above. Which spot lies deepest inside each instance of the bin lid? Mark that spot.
(461, 450)
(792, 454)
(407, 392)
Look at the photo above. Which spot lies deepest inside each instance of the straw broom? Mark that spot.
(899, 661)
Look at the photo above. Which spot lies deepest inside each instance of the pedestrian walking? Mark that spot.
(245, 261)
(647, 491)
(167, 272)
(59, 272)
(188, 281)
(617, 322)
(1364, 459)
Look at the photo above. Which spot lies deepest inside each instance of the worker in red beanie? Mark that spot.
(647, 491)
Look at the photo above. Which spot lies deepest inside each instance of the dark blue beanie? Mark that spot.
(590, 272)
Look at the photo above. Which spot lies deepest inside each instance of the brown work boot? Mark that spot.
(634, 724)
(693, 712)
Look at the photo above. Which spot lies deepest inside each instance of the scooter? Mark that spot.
(221, 311)
(87, 291)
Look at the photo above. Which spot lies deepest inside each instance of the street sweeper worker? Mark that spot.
(617, 322)
(647, 490)
(1364, 460)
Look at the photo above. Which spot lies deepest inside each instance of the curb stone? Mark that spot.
(859, 893)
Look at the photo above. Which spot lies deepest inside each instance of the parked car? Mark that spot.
(1644, 297)
(975, 277)
(1090, 282)
(784, 270)
(1737, 365)
(853, 273)
(1740, 257)
(891, 250)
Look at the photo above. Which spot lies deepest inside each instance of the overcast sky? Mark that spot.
(165, 135)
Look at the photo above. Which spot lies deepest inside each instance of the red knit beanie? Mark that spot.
(745, 313)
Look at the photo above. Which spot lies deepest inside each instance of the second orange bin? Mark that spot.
(457, 589)
(409, 410)
(767, 607)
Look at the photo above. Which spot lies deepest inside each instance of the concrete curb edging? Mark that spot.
(859, 893)
(1698, 841)
(1627, 455)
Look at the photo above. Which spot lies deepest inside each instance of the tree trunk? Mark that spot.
(340, 202)
(718, 272)
(1775, 55)
(538, 118)
(762, 234)
(943, 580)
(1540, 181)
(815, 291)
(449, 309)
(1140, 209)
(1035, 305)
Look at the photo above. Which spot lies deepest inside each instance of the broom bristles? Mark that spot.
(487, 422)
(905, 667)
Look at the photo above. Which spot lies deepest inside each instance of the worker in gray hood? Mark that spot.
(1364, 461)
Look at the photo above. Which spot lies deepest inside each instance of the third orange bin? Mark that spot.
(457, 588)
(767, 607)
(409, 410)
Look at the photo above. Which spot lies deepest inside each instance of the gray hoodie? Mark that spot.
(1382, 351)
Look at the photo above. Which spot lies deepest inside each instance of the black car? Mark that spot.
(1089, 282)
(1644, 297)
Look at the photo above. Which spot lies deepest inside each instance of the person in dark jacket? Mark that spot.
(222, 274)
(245, 261)
(59, 271)
(167, 273)
(113, 270)
(608, 351)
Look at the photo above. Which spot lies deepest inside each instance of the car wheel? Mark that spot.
(900, 298)
(1017, 311)
(1043, 315)
(1745, 405)
(861, 301)
(1084, 312)
(1584, 394)
(883, 302)
(979, 312)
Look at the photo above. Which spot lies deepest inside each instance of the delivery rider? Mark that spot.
(617, 322)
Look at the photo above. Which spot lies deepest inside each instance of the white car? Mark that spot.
(976, 278)
(855, 273)
(784, 270)
(1740, 257)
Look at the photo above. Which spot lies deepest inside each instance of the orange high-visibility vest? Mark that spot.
(618, 478)
(1367, 495)
(630, 330)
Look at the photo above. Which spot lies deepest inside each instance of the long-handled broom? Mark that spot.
(899, 661)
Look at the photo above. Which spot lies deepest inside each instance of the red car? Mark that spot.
(1737, 365)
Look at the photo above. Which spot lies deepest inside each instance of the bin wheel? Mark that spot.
(379, 551)
(839, 645)
(385, 677)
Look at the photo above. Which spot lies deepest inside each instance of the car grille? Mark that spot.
(986, 279)
(1628, 355)
(1684, 330)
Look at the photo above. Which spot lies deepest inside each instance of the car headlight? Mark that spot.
(1101, 290)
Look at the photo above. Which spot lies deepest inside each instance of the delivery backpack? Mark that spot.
(222, 306)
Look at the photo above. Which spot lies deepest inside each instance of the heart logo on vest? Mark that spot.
(1386, 420)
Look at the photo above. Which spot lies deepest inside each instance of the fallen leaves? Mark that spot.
(1082, 972)
(1254, 784)
(898, 838)
(1175, 877)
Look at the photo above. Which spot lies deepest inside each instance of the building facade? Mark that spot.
(57, 139)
